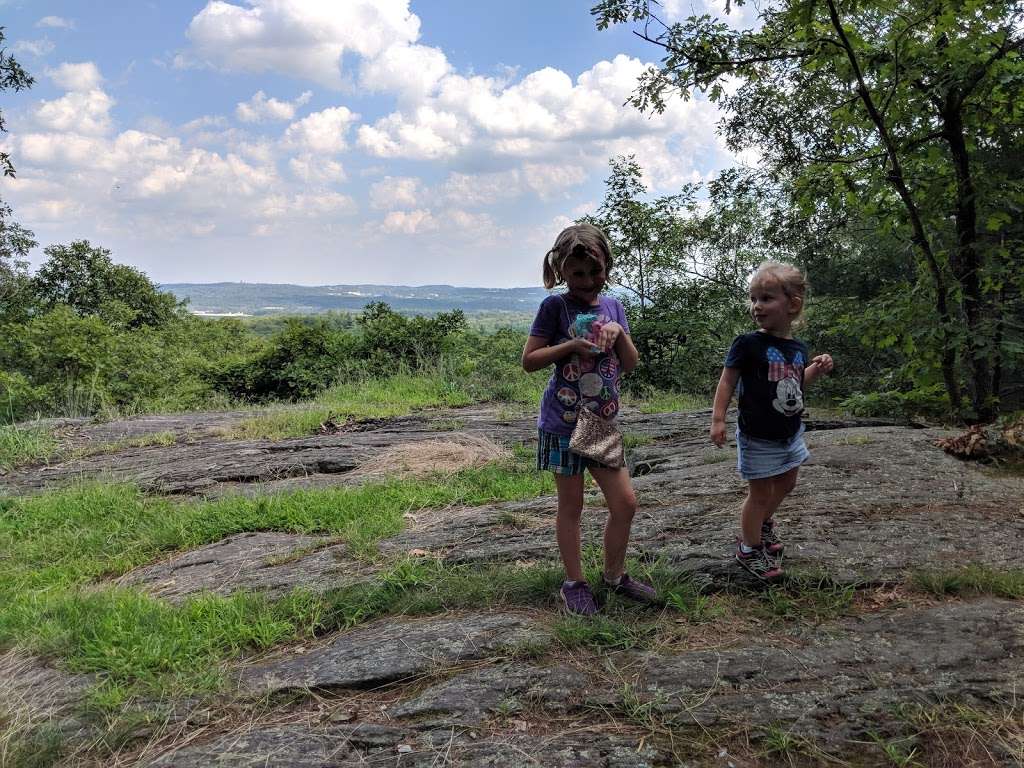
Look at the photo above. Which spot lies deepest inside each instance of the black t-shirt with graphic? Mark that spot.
(771, 383)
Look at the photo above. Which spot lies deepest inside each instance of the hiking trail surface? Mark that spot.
(897, 637)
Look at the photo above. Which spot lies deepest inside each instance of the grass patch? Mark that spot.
(716, 456)
(54, 544)
(397, 395)
(167, 437)
(971, 580)
(601, 632)
(631, 440)
(669, 402)
(804, 597)
(25, 445)
(955, 733)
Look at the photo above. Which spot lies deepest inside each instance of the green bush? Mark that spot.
(929, 402)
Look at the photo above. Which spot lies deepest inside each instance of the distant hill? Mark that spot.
(272, 299)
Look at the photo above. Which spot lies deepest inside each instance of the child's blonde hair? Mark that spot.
(790, 280)
(584, 241)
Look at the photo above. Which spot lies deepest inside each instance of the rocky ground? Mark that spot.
(897, 673)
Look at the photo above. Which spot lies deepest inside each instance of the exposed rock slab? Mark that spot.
(392, 650)
(34, 694)
(208, 464)
(871, 504)
(468, 698)
(293, 746)
(376, 745)
(841, 680)
(267, 562)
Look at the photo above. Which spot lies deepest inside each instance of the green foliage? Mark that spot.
(24, 444)
(85, 279)
(12, 77)
(890, 146)
(61, 363)
(929, 402)
(57, 542)
(972, 580)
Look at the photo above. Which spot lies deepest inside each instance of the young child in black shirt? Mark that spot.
(771, 369)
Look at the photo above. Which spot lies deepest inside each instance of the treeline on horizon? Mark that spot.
(891, 145)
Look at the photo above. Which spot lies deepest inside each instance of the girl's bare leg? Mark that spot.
(617, 488)
(784, 485)
(567, 523)
(764, 497)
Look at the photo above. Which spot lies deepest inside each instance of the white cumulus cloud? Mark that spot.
(33, 47)
(409, 222)
(55, 22)
(302, 38)
(321, 132)
(397, 192)
(260, 107)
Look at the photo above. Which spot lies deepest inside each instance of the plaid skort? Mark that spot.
(553, 453)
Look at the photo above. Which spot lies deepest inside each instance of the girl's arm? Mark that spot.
(723, 395)
(820, 366)
(614, 336)
(626, 351)
(537, 354)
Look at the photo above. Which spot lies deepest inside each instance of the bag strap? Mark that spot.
(575, 355)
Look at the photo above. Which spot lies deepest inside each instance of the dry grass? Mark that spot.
(457, 451)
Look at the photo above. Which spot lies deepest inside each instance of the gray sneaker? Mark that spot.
(634, 590)
(759, 563)
(772, 543)
(578, 599)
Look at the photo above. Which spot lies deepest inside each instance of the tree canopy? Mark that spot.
(899, 120)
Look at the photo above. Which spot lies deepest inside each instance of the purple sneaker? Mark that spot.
(578, 599)
(634, 590)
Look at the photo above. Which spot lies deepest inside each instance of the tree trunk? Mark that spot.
(966, 262)
(920, 238)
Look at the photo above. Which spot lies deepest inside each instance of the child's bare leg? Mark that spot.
(757, 507)
(781, 488)
(567, 523)
(617, 488)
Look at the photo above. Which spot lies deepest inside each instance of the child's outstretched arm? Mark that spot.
(820, 366)
(723, 394)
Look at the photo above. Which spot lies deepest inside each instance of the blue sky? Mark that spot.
(331, 141)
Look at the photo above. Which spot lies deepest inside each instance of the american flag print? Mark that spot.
(779, 369)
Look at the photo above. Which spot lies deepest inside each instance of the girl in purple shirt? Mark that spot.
(585, 337)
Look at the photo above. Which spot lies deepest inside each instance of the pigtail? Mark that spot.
(551, 276)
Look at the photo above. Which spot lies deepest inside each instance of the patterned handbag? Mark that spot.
(597, 439)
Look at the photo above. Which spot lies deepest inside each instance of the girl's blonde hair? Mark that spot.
(786, 277)
(584, 241)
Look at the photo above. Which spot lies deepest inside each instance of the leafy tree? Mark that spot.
(85, 278)
(15, 240)
(389, 340)
(12, 77)
(648, 236)
(15, 283)
(902, 114)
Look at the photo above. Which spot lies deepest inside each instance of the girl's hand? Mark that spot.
(824, 363)
(718, 433)
(584, 348)
(608, 335)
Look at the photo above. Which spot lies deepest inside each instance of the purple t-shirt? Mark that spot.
(595, 379)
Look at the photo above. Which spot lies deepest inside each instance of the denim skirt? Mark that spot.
(757, 458)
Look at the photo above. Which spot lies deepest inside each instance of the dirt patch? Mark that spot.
(455, 452)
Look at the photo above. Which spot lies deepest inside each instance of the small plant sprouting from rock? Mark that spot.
(899, 752)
